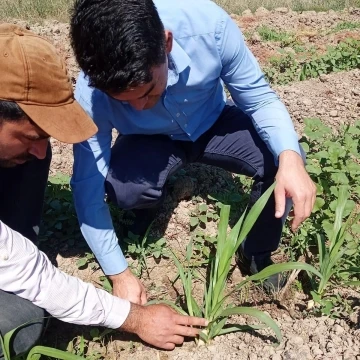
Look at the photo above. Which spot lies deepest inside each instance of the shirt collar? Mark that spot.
(179, 60)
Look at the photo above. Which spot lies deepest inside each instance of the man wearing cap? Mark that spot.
(36, 102)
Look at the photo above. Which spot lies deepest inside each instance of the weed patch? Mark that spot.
(288, 68)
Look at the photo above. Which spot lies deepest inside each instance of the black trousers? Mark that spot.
(22, 190)
(141, 164)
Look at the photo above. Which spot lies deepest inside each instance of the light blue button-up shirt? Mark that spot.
(208, 51)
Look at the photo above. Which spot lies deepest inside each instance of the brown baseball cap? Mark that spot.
(34, 76)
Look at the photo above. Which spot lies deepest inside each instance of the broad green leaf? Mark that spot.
(54, 353)
(194, 221)
(352, 283)
(203, 208)
(261, 316)
(81, 262)
(319, 203)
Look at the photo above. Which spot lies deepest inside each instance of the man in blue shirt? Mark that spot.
(157, 75)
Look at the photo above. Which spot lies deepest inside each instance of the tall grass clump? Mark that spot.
(216, 305)
(35, 10)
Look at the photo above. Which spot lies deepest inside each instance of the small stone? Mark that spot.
(348, 355)
(276, 357)
(323, 78)
(261, 11)
(282, 10)
(307, 102)
(296, 340)
(355, 92)
(255, 38)
(333, 113)
(252, 356)
(316, 351)
(246, 12)
(338, 329)
(319, 112)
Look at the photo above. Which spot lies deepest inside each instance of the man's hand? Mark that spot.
(293, 181)
(161, 326)
(127, 286)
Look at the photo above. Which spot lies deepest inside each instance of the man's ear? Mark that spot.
(169, 41)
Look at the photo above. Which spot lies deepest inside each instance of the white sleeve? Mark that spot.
(28, 273)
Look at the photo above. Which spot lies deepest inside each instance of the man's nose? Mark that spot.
(38, 148)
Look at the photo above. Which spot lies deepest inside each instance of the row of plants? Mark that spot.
(288, 67)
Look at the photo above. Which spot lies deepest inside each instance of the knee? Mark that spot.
(19, 312)
(129, 196)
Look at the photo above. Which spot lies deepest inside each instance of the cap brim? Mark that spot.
(67, 123)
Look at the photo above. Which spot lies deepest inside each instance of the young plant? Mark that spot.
(331, 253)
(142, 248)
(36, 352)
(215, 306)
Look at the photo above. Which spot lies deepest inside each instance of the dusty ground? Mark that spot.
(335, 99)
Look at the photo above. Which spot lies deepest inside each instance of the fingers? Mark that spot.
(187, 331)
(303, 206)
(190, 320)
(280, 201)
(177, 339)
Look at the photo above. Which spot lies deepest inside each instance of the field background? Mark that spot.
(291, 40)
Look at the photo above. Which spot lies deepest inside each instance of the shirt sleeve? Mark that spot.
(28, 273)
(91, 161)
(250, 91)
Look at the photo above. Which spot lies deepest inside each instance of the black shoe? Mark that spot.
(272, 284)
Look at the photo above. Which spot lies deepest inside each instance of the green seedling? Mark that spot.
(37, 351)
(331, 253)
(215, 306)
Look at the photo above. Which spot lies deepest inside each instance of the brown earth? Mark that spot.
(335, 99)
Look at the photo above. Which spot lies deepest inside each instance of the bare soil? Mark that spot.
(335, 99)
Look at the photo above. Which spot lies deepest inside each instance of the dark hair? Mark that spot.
(117, 42)
(11, 111)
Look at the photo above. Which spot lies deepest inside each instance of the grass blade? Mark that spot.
(254, 213)
(261, 316)
(54, 353)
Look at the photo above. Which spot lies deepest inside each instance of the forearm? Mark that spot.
(27, 272)
(274, 125)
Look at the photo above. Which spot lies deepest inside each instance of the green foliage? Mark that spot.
(331, 252)
(287, 68)
(214, 306)
(333, 164)
(345, 25)
(269, 34)
(282, 70)
(140, 248)
(36, 352)
(59, 221)
(35, 9)
(87, 260)
(344, 56)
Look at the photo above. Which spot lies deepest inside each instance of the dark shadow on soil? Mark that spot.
(60, 232)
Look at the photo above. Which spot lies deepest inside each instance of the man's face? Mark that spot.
(21, 141)
(146, 96)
